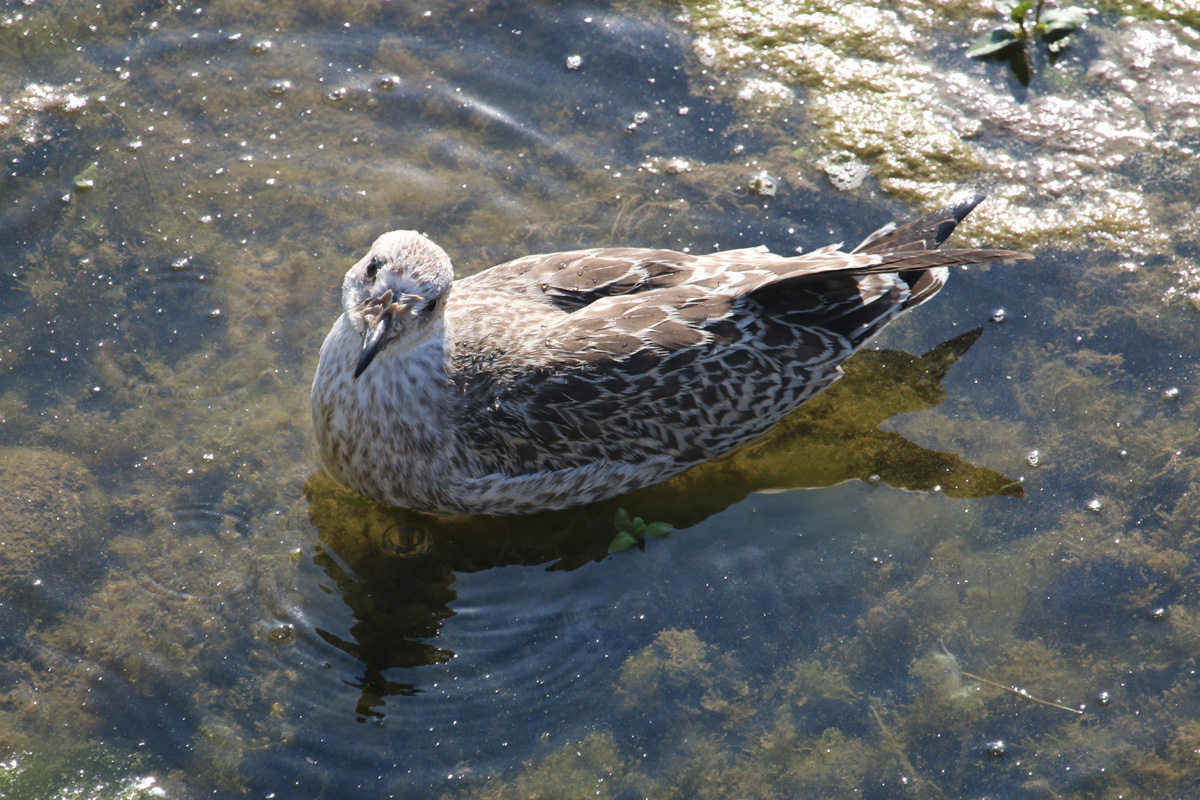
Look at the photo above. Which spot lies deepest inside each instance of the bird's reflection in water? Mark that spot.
(395, 568)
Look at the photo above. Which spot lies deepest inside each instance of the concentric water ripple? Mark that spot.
(502, 670)
(518, 658)
(198, 554)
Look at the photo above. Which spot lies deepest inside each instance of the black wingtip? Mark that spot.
(957, 213)
(966, 207)
(927, 233)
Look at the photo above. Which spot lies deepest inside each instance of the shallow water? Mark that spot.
(190, 608)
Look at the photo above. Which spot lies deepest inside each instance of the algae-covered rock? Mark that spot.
(52, 511)
(1067, 162)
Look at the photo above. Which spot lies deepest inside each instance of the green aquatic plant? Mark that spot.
(84, 771)
(632, 530)
(1029, 22)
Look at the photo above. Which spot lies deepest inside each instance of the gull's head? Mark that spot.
(396, 294)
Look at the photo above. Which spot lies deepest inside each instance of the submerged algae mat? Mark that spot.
(190, 607)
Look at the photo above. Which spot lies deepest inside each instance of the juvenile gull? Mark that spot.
(568, 378)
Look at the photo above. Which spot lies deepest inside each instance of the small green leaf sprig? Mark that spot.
(632, 530)
(1031, 22)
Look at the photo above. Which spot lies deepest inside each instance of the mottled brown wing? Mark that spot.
(677, 372)
(655, 353)
(576, 279)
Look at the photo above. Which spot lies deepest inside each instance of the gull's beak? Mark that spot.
(377, 330)
(381, 317)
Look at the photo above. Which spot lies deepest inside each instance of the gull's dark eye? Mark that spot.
(372, 268)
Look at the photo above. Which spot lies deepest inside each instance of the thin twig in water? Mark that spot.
(898, 751)
(1019, 692)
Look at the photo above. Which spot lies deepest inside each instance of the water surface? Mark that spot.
(910, 589)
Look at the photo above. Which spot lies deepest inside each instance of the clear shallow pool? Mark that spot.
(190, 608)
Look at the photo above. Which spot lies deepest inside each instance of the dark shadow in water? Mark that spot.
(395, 567)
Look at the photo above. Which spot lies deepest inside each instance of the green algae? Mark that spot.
(1085, 163)
(927, 123)
(53, 517)
(590, 767)
(739, 730)
(88, 772)
(1173, 10)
